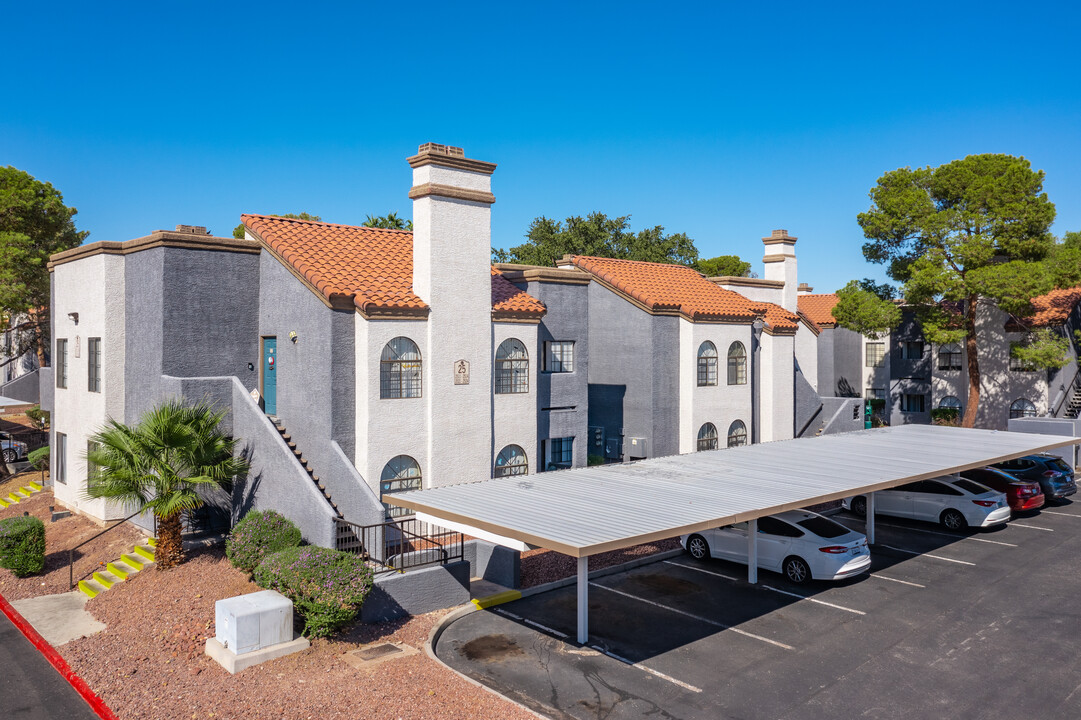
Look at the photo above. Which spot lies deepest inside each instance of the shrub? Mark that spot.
(39, 458)
(22, 545)
(257, 535)
(327, 587)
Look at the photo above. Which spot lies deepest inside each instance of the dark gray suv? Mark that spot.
(1055, 476)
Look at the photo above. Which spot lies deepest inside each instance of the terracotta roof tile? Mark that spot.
(819, 308)
(373, 266)
(680, 289)
(1054, 308)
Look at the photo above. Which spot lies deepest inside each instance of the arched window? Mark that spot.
(707, 364)
(511, 367)
(1022, 408)
(737, 434)
(707, 437)
(401, 474)
(950, 402)
(737, 364)
(399, 369)
(511, 461)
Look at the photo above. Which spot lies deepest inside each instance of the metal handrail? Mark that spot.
(811, 420)
(440, 544)
(1068, 391)
(71, 550)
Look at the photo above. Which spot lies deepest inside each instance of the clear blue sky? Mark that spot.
(717, 120)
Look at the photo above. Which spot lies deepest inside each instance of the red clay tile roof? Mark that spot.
(371, 266)
(509, 300)
(1054, 308)
(819, 308)
(678, 289)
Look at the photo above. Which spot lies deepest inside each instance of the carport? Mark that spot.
(586, 511)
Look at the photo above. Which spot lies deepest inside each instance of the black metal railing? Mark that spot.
(400, 545)
(71, 551)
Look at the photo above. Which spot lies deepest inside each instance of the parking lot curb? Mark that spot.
(631, 564)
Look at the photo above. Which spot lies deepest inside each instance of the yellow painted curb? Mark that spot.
(497, 599)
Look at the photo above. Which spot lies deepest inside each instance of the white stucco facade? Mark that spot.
(94, 288)
(514, 415)
(720, 404)
(806, 349)
(777, 387)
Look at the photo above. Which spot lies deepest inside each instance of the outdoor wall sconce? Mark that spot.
(251, 366)
(293, 336)
(74, 317)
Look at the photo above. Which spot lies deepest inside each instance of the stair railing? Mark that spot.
(71, 551)
(1068, 392)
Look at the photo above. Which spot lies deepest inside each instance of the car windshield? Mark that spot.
(1058, 464)
(822, 527)
(974, 488)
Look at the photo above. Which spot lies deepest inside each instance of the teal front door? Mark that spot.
(270, 375)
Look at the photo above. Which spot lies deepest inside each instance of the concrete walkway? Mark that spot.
(59, 618)
(32, 688)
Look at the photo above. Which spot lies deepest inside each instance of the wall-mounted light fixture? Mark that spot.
(74, 317)
(251, 366)
(293, 336)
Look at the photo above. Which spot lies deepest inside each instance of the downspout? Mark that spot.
(756, 400)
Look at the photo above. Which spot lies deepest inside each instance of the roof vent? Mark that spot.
(804, 288)
(192, 229)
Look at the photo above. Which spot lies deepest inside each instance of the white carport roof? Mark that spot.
(586, 511)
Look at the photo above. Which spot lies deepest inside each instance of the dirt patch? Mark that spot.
(490, 647)
(541, 566)
(149, 663)
(60, 536)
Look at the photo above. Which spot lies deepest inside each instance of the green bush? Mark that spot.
(946, 416)
(39, 458)
(257, 535)
(22, 545)
(327, 587)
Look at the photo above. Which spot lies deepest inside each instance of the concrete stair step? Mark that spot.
(4, 504)
(135, 562)
(21, 495)
(11, 498)
(145, 551)
(35, 485)
(91, 588)
(107, 579)
(121, 569)
(30, 491)
(152, 542)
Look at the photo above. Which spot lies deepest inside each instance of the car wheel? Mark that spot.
(859, 505)
(697, 547)
(10, 455)
(796, 570)
(953, 520)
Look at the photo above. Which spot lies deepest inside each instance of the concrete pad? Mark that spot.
(481, 588)
(59, 618)
(235, 663)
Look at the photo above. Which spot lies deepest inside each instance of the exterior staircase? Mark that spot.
(1073, 406)
(140, 558)
(304, 463)
(19, 495)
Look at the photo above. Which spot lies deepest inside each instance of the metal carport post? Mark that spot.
(583, 599)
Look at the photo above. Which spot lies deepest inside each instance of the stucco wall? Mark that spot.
(1052, 426)
(567, 319)
(144, 311)
(514, 415)
(807, 356)
(25, 387)
(777, 388)
(720, 404)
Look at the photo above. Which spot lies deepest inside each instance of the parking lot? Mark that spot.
(950, 625)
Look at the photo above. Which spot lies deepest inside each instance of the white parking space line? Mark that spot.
(768, 587)
(814, 600)
(501, 611)
(702, 570)
(1052, 512)
(922, 554)
(649, 670)
(1031, 527)
(699, 618)
(944, 534)
(903, 582)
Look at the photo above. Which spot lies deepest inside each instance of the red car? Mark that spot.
(1020, 494)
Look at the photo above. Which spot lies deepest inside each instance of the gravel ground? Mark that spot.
(541, 566)
(149, 663)
(60, 536)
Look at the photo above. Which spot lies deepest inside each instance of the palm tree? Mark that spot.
(160, 465)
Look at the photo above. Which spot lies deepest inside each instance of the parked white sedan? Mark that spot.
(803, 545)
(951, 500)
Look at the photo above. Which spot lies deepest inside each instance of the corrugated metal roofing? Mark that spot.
(591, 510)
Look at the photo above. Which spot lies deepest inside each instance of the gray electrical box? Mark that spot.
(636, 447)
(251, 622)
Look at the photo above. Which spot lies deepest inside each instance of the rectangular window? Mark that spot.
(876, 393)
(912, 350)
(949, 357)
(876, 354)
(1016, 363)
(61, 362)
(61, 459)
(562, 452)
(93, 362)
(912, 403)
(559, 356)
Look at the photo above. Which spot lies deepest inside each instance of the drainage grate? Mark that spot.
(376, 652)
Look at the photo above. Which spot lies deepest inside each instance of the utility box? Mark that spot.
(636, 448)
(252, 622)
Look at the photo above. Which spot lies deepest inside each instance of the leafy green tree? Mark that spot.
(600, 236)
(969, 231)
(388, 222)
(724, 266)
(34, 224)
(238, 231)
(864, 311)
(161, 464)
(884, 291)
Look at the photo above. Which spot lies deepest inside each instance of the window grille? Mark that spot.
(400, 370)
(511, 368)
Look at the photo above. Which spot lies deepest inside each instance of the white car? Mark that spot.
(800, 544)
(951, 500)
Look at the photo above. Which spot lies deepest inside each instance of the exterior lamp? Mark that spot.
(74, 317)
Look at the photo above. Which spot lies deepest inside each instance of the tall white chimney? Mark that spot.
(780, 264)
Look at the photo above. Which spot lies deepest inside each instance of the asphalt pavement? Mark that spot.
(31, 688)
